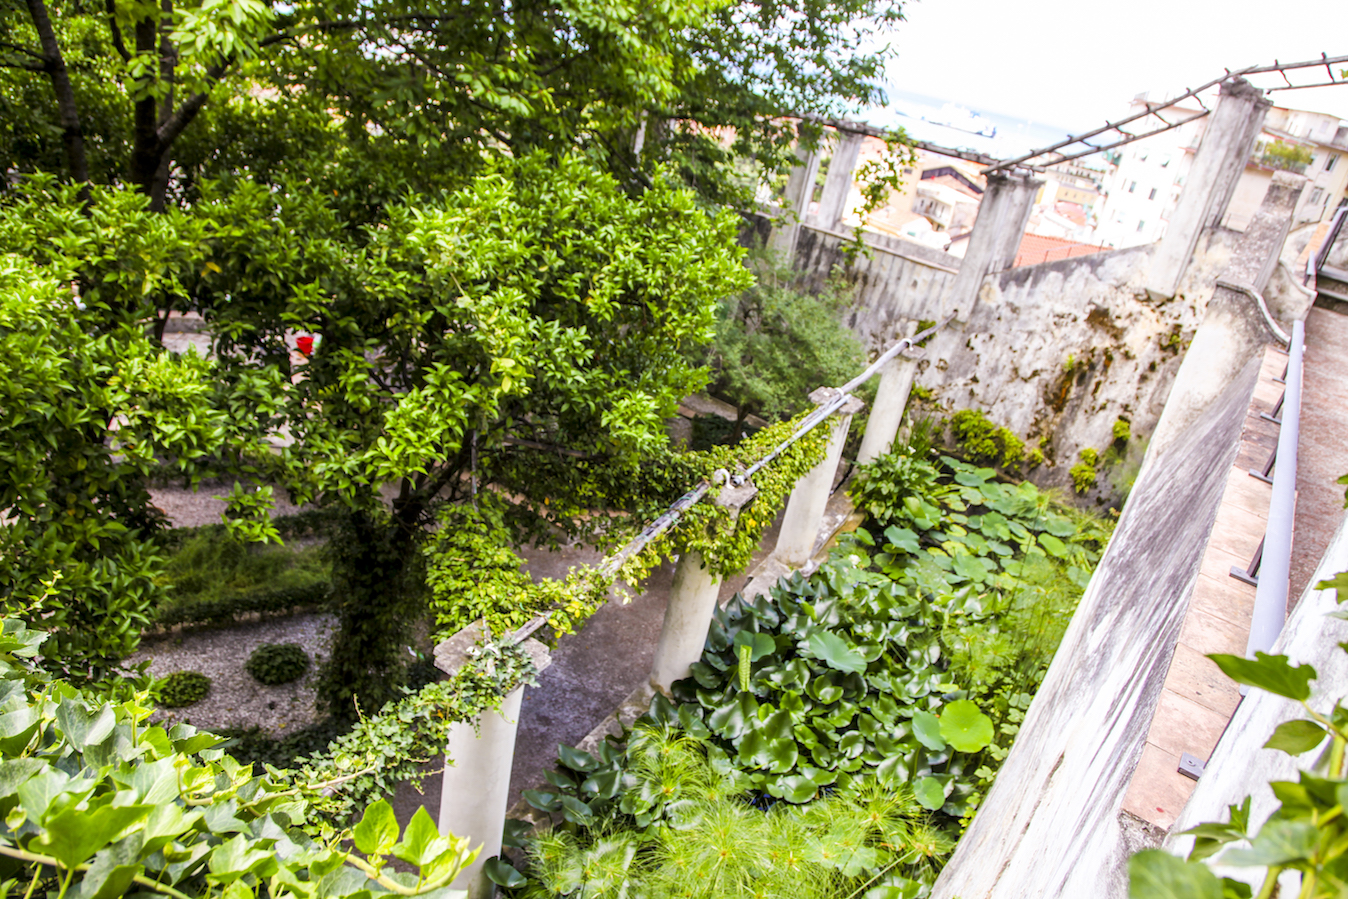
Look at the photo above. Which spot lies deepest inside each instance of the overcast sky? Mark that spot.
(1077, 63)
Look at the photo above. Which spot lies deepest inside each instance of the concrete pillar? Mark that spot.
(692, 599)
(805, 508)
(838, 181)
(896, 382)
(799, 193)
(1003, 214)
(478, 760)
(1233, 330)
(1232, 128)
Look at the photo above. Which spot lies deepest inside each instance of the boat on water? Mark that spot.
(961, 119)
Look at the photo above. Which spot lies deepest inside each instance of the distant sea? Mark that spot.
(1015, 137)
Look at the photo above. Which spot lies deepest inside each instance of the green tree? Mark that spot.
(775, 342)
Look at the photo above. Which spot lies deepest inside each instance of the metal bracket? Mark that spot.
(1191, 766)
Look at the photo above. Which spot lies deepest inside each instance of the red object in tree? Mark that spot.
(305, 345)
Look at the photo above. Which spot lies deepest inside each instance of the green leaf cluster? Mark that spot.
(985, 442)
(97, 803)
(277, 663)
(181, 688)
(1307, 832)
(663, 813)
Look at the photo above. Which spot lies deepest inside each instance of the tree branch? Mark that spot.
(117, 42)
(72, 134)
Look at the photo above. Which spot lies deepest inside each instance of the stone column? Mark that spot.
(1233, 330)
(838, 181)
(805, 508)
(1231, 131)
(478, 761)
(799, 192)
(692, 599)
(1003, 214)
(896, 382)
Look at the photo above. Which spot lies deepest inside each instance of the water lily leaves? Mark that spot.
(902, 538)
(927, 729)
(759, 750)
(1053, 546)
(835, 652)
(964, 727)
(823, 690)
(731, 718)
(929, 792)
(760, 645)
(795, 788)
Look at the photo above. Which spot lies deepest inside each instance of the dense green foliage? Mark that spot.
(898, 673)
(213, 578)
(985, 442)
(277, 663)
(85, 409)
(776, 342)
(99, 804)
(699, 832)
(181, 689)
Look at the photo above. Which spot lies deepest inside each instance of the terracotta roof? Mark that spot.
(1036, 248)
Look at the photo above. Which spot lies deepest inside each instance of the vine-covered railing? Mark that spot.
(392, 746)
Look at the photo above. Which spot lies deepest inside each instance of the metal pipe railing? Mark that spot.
(821, 413)
(1270, 599)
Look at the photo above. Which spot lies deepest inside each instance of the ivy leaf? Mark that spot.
(72, 836)
(927, 729)
(1156, 874)
(1338, 583)
(1278, 843)
(1296, 737)
(1271, 673)
(964, 727)
(929, 792)
(833, 651)
(111, 872)
(81, 727)
(377, 830)
(421, 841)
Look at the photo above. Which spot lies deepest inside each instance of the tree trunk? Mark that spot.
(72, 133)
(377, 581)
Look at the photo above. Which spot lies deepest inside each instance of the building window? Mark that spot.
(1152, 195)
(1132, 187)
(1139, 225)
(1333, 160)
(1316, 196)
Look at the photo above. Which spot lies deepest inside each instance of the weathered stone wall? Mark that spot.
(1057, 352)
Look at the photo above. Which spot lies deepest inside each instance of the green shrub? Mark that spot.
(1083, 473)
(213, 579)
(181, 689)
(1122, 431)
(985, 442)
(277, 663)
